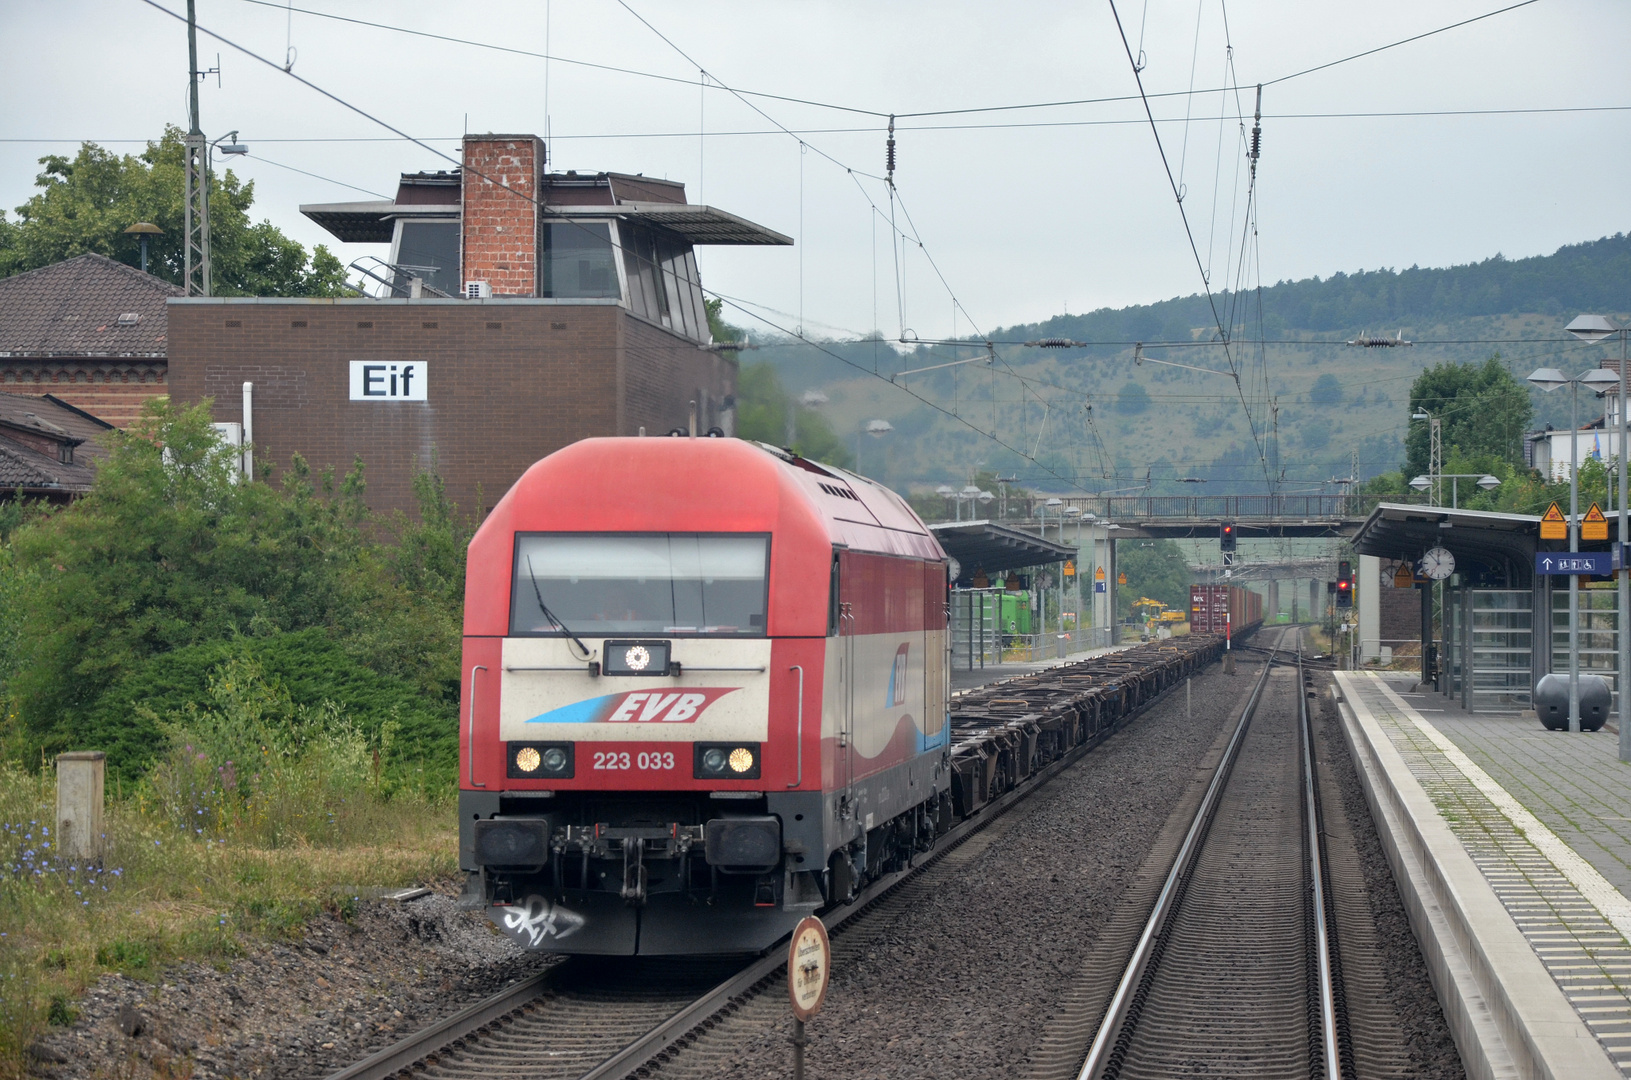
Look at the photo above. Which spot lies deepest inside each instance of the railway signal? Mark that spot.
(1226, 536)
(1345, 584)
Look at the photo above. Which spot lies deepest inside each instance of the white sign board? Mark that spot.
(390, 380)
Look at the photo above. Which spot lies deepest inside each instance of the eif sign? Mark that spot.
(390, 380)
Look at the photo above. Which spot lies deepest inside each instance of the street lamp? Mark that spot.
(1595, 328)
(1599, 380)
(875, 428)
(1486, 482)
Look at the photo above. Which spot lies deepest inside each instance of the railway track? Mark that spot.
(1237, 969)
(596, 1018)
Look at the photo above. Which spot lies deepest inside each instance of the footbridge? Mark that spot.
(1179, 517)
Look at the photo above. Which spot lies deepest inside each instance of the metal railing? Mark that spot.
(1235, 507)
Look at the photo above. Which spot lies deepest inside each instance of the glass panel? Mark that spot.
(678, 292)
(699, 306)
(578, 260)
(640, 299)
(429, 250)
(639, 583)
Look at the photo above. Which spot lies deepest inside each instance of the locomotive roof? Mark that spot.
(695, 485)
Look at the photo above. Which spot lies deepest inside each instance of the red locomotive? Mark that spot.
(705, 694)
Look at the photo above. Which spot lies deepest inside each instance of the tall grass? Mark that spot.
(253, 820)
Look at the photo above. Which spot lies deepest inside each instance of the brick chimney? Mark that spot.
(499, 244)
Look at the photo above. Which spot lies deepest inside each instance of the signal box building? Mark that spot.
(524, 311)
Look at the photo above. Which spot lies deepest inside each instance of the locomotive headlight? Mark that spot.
(539, 761)
(726, 761)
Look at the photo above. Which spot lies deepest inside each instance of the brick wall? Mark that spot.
(508, 383)
(111, 390)
(500, 237)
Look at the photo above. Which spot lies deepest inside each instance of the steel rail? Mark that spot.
(1329, 1034)
(404, 1054)
(682, 1023)
(1115, 1017)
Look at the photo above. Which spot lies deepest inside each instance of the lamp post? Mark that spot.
(1596, 328)
(1486, 482)
(1549, 379)
(875, 428)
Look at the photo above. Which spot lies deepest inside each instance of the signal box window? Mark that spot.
(640, 583)
(428, 250)
(578, 260)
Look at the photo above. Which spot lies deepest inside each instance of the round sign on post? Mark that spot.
(809, 967)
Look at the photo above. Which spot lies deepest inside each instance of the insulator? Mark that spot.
(1257, 142)
(889, 157)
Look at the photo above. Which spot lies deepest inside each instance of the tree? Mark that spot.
(1154, 568)
(762, 408)
(87, 202)
(1133, 399)
(1483, 412)
(170, 550)
(1327, 391)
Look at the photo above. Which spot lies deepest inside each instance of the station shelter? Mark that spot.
(996, 598)
(1487, 630)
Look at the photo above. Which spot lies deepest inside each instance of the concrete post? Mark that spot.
(81, 778)
(1370, 608)
(1271, 606)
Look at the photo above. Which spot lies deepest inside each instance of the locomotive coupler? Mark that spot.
(632, 843)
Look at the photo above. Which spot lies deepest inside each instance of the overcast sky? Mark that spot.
(1023, 221)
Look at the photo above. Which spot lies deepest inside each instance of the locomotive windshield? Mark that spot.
(648, 583)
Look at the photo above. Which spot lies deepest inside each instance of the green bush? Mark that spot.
(130, 597)
(307, 665)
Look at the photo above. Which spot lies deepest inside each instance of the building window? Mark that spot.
(663, 284)
(428, 250)
(578, 261)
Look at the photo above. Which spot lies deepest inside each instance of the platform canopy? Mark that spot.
(1504, 545)
(994, 548)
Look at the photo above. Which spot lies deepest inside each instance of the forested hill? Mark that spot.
(1593, 276)
(1308, 408)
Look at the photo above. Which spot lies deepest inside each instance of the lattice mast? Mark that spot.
(196, 262)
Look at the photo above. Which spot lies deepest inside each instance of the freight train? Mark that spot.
(705, 693)
(1224, 609)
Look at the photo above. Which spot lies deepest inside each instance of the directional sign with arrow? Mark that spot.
(1593, 563)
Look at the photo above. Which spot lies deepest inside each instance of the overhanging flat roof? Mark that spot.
(698, 224)
(987, 546)
(372, 221)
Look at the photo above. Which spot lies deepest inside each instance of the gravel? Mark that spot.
(295, 1009)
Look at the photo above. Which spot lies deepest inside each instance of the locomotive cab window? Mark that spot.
(640, 583)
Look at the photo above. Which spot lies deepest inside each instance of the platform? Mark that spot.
(1511, 846)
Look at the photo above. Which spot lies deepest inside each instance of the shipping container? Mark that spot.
(1217, 609)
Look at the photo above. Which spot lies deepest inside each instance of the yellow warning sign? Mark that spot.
(1402, 577)
(1121, 579)
(1552, 525)
(1098, 573)
(1070, 568)
(1594, 526)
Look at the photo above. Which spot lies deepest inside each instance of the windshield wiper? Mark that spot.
(550, 615)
